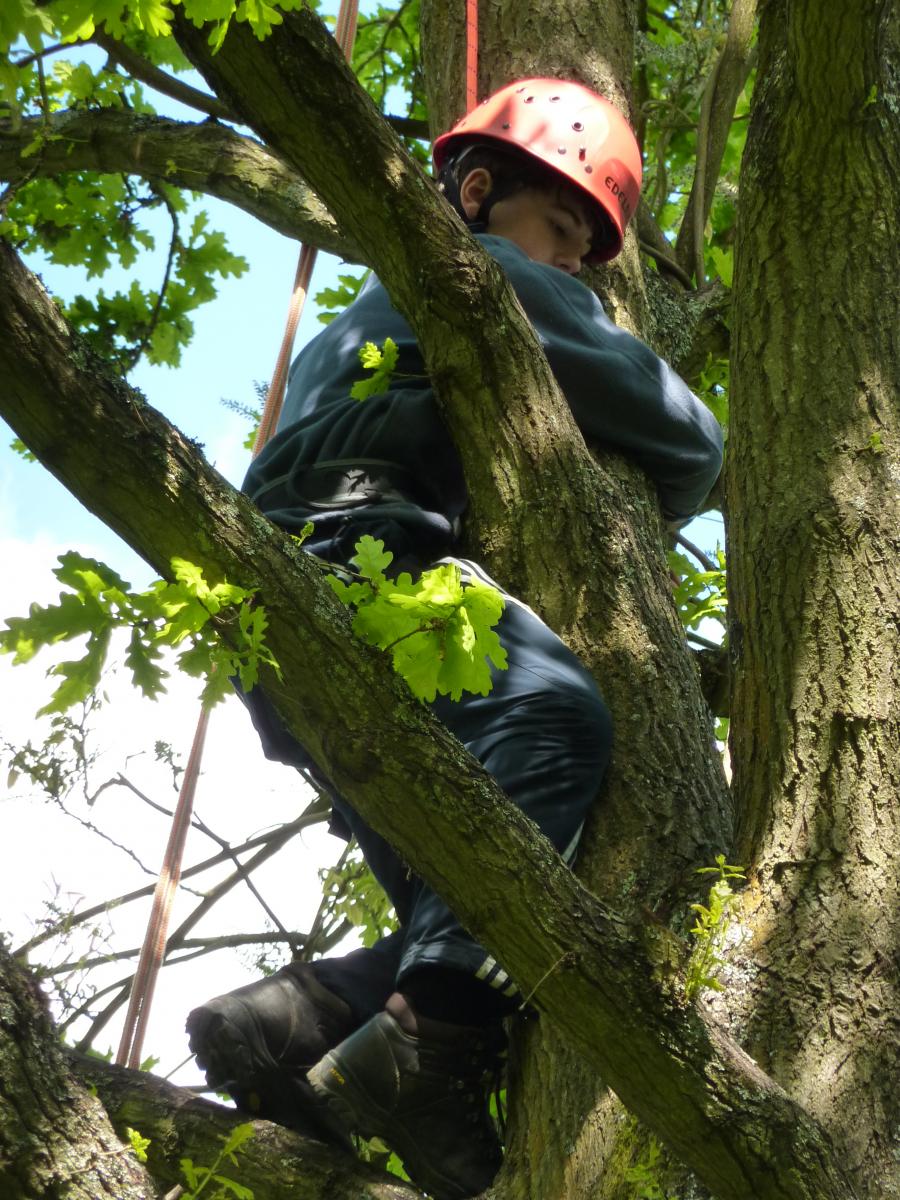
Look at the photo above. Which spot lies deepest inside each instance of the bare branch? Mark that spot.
(312, 815)
(704, 559)
(653, 242)
(199, 946)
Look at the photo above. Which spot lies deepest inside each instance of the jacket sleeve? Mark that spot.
(620, 392)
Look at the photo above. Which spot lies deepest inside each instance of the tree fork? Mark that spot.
(592, 973)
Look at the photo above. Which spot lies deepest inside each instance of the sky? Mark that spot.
(48, 856)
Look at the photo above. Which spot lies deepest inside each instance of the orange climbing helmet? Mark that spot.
(569, 129)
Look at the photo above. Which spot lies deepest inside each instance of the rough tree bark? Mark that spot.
(64, 1120)
(55, 1137)
(814, 484)
(206, 157)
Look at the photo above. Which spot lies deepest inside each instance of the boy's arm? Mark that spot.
(620, 392)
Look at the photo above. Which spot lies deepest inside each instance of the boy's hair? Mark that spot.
(513, 171)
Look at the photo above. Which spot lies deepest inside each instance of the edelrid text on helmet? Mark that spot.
(570, 129)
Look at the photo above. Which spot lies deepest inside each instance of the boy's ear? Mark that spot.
(474, 190)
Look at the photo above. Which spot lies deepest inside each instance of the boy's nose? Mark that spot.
(570, 263)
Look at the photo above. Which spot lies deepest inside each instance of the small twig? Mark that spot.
(120, 780)
(184, 1062)
(270, 913)
(42, 53)
(567, 960)
(201, 946)
(311, 815)
(106, 837)
(705, 561)
(428, 627)
(318, 924)
(174, 244)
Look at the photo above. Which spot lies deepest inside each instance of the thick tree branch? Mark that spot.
(594, 975)
(207, 157)
(275, 1164)
(725, 84)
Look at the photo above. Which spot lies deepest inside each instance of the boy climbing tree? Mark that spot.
(399, 1041)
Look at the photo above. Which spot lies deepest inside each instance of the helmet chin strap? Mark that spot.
(449, 183)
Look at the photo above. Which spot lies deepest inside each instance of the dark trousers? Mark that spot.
(545, 735)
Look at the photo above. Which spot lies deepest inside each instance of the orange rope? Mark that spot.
(154, 944)
(471, 54)
(275, 394)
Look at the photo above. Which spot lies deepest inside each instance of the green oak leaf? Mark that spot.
(382, 363)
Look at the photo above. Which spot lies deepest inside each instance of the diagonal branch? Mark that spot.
(167, 85)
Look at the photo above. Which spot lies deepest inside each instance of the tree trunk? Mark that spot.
(814, 568)
(568, 1135)
(55, 1137)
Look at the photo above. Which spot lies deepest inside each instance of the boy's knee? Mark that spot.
(587, 722)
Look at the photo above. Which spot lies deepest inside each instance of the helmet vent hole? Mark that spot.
(529, 99)
(560, 149)
(505, 125)
(553, 99)
(519, 91)
(588, 169)
(577, 126)
(582, 153)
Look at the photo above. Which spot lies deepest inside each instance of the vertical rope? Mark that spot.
(154, 944)
(471, 54)
(275, 394)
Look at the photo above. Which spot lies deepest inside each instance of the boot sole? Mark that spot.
(350, 1107)
(235, 1059)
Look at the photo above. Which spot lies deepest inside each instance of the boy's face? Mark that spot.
(551, 227)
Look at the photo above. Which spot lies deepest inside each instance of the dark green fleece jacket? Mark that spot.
(386, 465)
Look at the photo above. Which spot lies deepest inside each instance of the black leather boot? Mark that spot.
(425, 1094)
(258, 1042)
